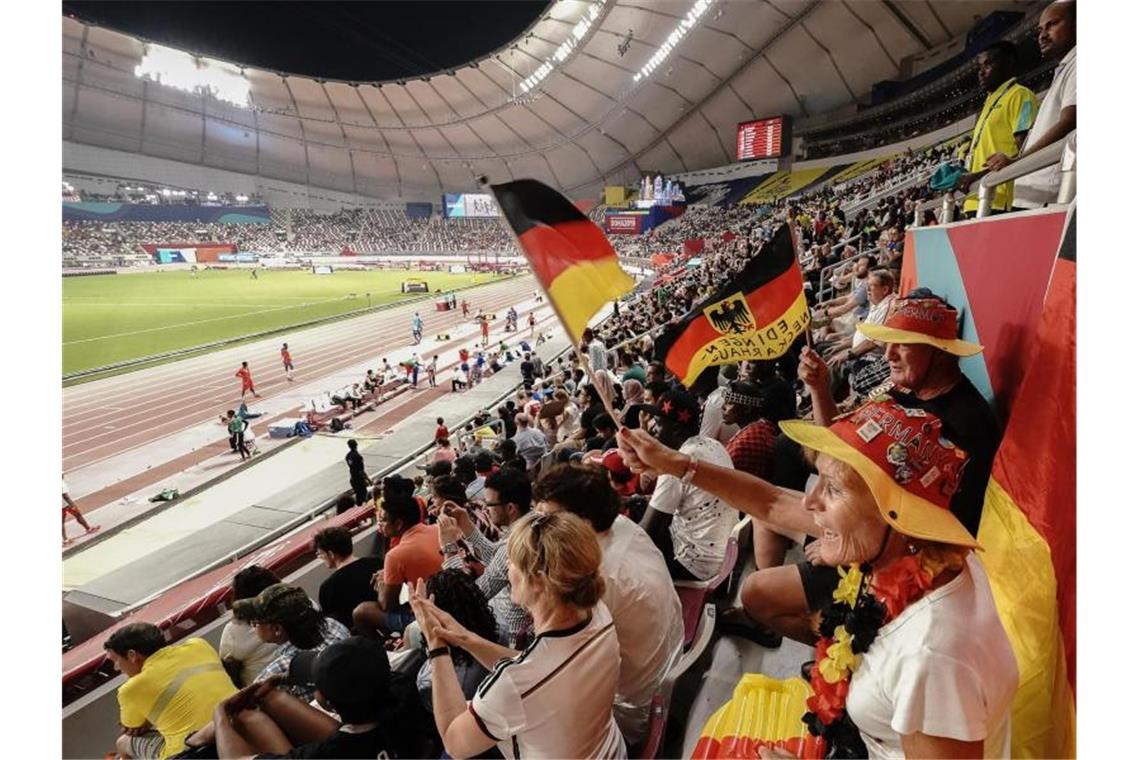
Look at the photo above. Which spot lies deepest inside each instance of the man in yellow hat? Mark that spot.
(923, 350)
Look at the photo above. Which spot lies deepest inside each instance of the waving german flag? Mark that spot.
(755, 316)
(569, 254)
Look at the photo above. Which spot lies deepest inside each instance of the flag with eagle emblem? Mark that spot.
(570, 255)
(755, 316)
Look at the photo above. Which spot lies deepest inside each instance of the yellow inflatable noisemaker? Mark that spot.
(763, 712)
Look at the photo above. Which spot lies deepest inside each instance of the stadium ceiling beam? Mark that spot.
(411, 134)
(748, 106)
(387, 147)
(677, 153)
(830, 57)
(941, 23)
(462, 122)
(343, 135)
(301, 124)
(799, 100)
(870, 28)
(458, 155)
(674, 16)
(910, 27)
(716, 135)
(791, 23)
(673, 90)
(79, 78)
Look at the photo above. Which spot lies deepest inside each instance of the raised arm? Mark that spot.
(779, 506)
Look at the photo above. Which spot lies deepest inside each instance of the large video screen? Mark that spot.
(763, 138)
(469, 204)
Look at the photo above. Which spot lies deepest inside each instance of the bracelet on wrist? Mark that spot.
(438, 652)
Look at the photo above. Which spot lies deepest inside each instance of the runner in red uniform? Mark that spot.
(246, 380)
(466, 308)
(485, 326)
(287, 360)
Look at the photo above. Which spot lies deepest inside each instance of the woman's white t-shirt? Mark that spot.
(555, 699)
(944, 667)
(240, 641)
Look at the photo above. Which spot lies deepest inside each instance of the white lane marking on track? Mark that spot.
(199, 322)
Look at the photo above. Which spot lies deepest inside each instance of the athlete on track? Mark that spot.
(246, 380)
(71, 508)
(287, 360)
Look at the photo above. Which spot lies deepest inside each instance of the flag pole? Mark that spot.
(574, 341)
(794, 230)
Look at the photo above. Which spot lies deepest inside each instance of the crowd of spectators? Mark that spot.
(522, 600)
(297, 231)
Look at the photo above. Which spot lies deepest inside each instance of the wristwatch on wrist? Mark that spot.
(690, 470)
(450, 548)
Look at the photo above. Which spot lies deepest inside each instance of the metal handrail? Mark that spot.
(1062, 152)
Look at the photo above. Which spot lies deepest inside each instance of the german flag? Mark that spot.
(569, 254)
(1029, 525)
(756, 316)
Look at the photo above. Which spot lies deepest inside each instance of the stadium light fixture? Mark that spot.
(589, 17)
(674, 38)
(189, 73)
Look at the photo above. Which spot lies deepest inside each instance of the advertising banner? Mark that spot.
(624, 224)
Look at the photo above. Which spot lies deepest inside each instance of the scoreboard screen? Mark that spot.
(763, 138)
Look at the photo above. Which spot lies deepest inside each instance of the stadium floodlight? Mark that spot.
(674, 38)
(189, 73)
(578, 33)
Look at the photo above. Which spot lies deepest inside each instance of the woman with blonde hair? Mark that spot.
(912, 659)
(555, 698)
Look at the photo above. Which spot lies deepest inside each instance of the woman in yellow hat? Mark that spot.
(912, 658)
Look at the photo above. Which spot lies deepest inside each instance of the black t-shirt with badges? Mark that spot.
(970, 424)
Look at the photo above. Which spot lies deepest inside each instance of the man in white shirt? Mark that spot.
(530, 444)
(1057, 115)
(699, 524)
(595, 351)
(639, 592)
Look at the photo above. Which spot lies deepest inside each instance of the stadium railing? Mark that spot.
(1063, 152)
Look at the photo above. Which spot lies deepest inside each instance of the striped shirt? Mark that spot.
(555, 699)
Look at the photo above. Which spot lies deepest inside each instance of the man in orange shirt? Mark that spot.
(246, 380)
(287, 360)
(416, 556)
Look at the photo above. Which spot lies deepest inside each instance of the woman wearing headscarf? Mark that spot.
(634, 393)
(912, 659)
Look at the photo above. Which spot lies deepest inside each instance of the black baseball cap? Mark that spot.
(353, 674)
(677, 408)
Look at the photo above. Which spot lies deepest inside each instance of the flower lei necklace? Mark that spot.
(862, 603)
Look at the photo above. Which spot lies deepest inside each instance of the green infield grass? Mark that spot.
(110, 319)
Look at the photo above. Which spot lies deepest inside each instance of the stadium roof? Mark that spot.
(595, 92)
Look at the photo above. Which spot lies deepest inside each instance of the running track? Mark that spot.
(104, 418)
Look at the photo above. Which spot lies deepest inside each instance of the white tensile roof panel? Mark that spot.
(588, 122)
